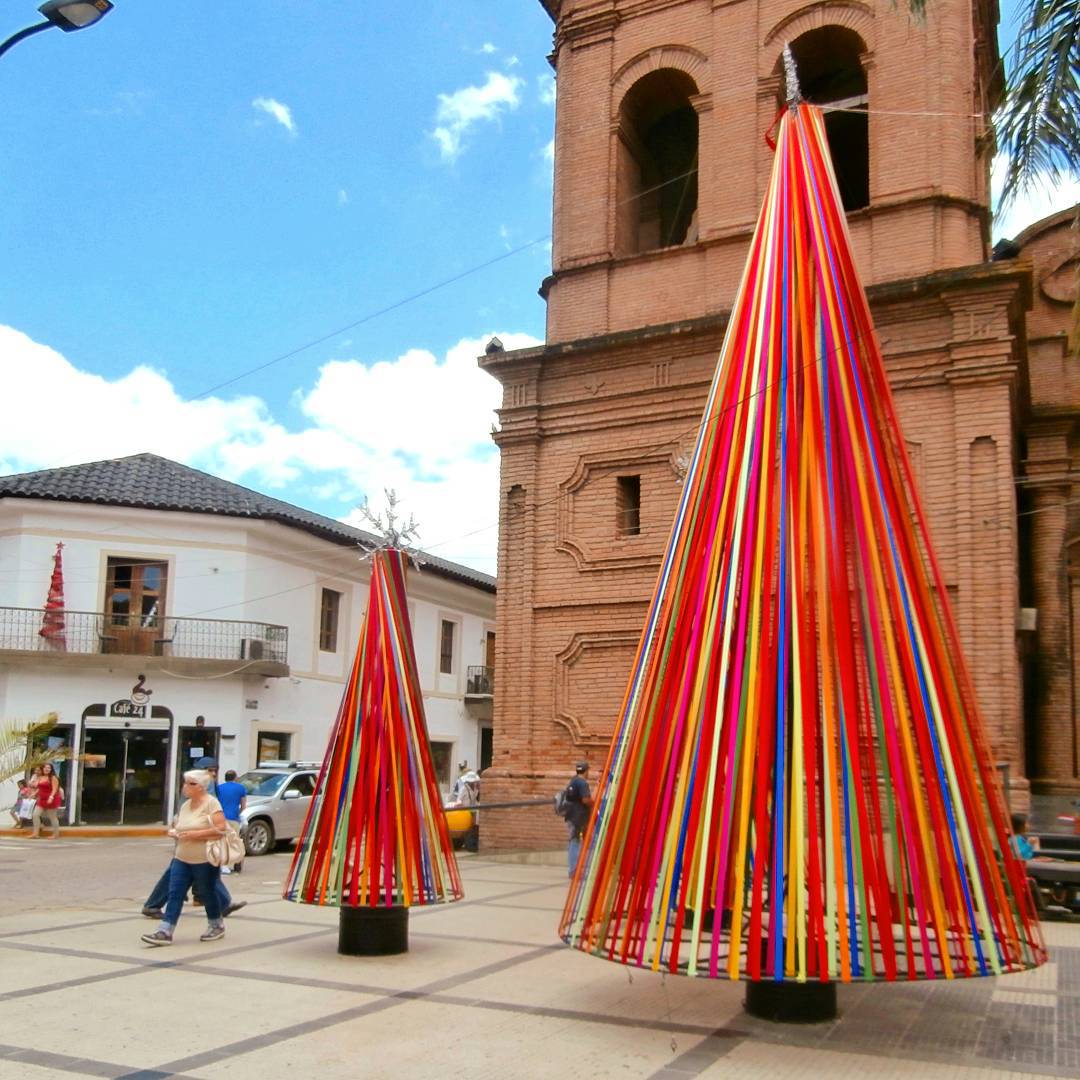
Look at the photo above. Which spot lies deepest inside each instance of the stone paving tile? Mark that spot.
(486, 990)
(751, 1061)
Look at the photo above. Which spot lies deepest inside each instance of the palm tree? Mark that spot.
(20, 752)
(1038, 123)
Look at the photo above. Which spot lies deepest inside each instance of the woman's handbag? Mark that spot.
(226, 849)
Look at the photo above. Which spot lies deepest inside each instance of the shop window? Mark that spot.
(831, 73)
(441, 756)
(328, 620)
(657, 179)
(274, 746)
(446, 647)
(628, 505)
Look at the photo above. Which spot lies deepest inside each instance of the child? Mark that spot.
(1022, 846)
(23, 809)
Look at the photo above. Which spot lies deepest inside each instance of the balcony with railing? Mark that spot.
(479, 682)
(195, 646)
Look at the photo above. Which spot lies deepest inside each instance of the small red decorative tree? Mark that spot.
(53, 628)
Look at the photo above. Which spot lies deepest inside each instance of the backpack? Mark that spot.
(564, 803)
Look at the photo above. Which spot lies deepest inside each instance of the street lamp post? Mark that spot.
(67, 15)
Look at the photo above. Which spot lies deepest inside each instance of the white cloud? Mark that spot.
(417, 423)
(432, 445)
(488, 48)
(548, 152)
(122, 103)
(277, 111)
(342, 197)
(1030, 206)
(471, 105)
(545, 88)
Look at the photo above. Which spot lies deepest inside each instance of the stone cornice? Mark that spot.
(714, 237)
(1050, 426)
(967, 374)
(1066, 415)
(978, 276)
(579, 30)
(1048, 465)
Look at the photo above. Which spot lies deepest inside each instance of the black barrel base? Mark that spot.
(708, 919)
(791, 1003)
(373, 931)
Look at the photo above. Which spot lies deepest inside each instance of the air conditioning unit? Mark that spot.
(252, 648)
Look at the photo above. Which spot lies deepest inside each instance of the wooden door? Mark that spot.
(134, 606)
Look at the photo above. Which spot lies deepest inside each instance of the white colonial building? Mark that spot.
(203, 618)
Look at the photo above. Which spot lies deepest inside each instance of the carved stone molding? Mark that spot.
(680, 57)
(1059, 281)
(591, 674)
(847, 13)
(586, 532)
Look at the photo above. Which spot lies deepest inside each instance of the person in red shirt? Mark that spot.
(49, 798)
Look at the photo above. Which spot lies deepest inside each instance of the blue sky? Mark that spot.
(191, 191)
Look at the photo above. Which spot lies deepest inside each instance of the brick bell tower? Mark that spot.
(660, 168)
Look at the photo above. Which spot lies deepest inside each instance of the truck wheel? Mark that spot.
(259, 838)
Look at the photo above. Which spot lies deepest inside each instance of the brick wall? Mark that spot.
(928, 182)
(573, 593)
(632, 342)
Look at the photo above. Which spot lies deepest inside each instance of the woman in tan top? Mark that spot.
(200, 819)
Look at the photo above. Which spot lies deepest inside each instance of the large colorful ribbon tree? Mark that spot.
(375, 834)
(799, 787)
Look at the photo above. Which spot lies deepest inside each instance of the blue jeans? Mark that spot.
(205, 878)
(573, 846)
(160, 895)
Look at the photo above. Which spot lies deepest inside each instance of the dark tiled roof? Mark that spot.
(156, 483)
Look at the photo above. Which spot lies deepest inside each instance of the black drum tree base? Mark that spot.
(373, 931)
(791, 1003)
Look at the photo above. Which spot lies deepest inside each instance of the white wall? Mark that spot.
(227, 568)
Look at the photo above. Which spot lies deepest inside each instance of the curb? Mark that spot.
(94, 832)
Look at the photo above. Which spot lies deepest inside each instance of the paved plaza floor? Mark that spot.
(486, 991)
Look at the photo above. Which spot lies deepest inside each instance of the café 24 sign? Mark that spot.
(135, 707)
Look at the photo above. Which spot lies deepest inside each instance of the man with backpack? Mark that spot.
(577, 805)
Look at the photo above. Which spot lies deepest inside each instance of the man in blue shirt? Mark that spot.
(233, 799)
(579, 799)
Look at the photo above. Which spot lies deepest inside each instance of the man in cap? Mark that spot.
(468, 785)
(210, 765)
(579, 806)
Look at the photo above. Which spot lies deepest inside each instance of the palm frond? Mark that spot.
(1038, 123)
(19, 755)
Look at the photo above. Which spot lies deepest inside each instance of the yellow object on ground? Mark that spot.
(459, 822)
